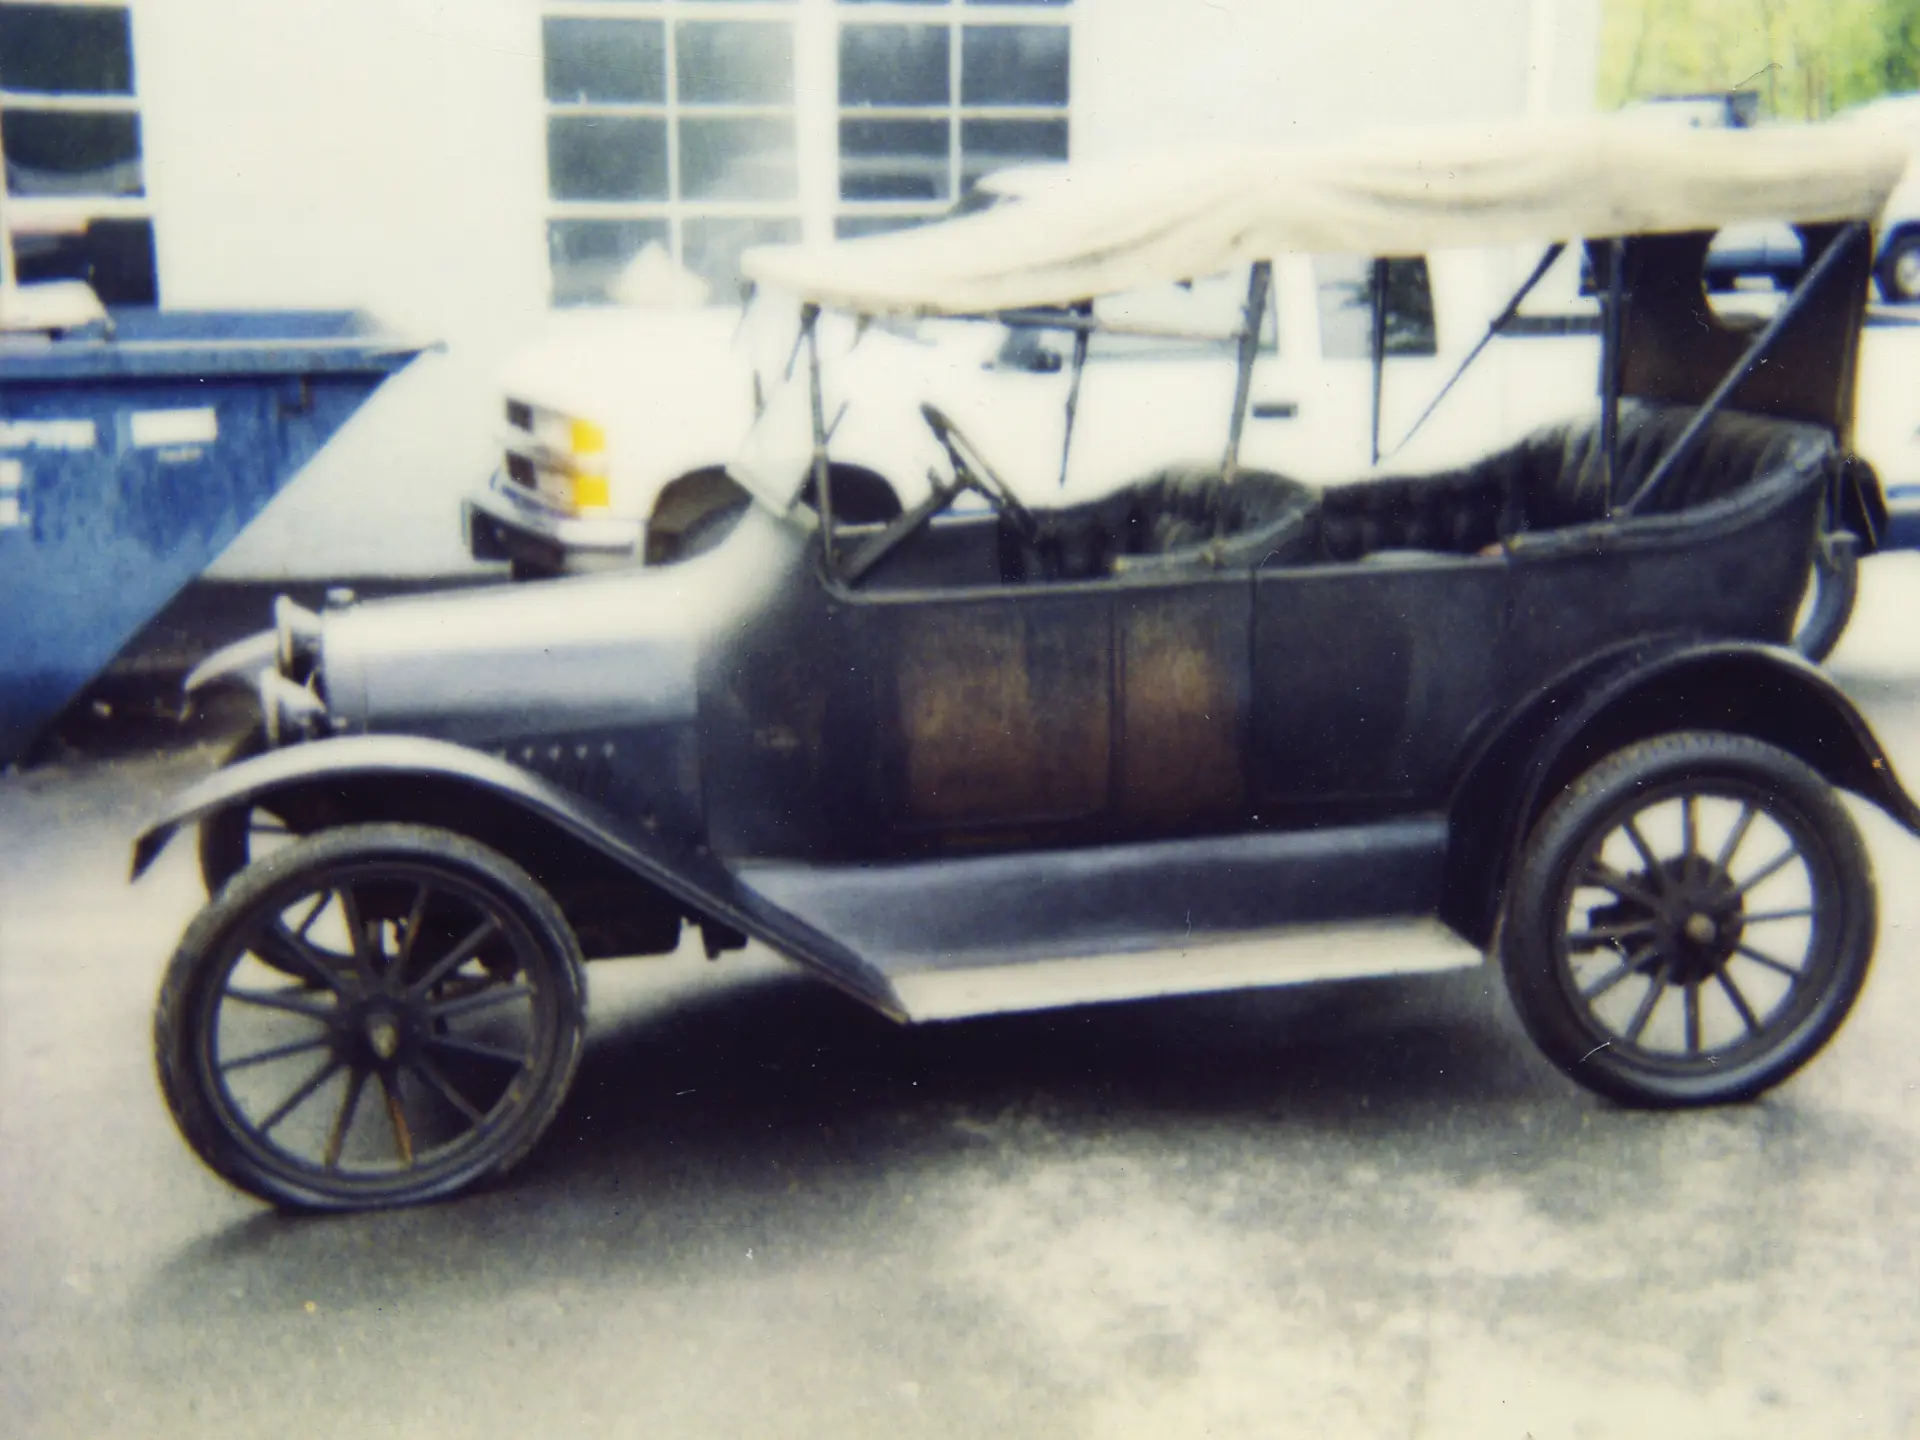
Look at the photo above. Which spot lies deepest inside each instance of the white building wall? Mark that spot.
(390, 155)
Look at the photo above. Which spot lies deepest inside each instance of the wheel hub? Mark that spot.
(383, 1036)
(375, 1031)
(1698, 919)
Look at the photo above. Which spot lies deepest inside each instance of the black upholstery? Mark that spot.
(1562, 474)
(1182, 515)
(1556, 478)
(1189, 517)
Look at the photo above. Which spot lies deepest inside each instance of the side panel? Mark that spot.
(1367, 676)
(1185, 704)
(993, 711)
(1580, 593)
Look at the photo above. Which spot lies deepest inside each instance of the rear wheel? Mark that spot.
(412, 1057)
(1691, 922)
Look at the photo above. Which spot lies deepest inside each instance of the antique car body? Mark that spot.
(1213, 729)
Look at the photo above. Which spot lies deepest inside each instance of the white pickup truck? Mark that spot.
(621, 424)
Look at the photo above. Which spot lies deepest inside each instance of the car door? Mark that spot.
(1369, 678)
(992, 711)
(1085, 712)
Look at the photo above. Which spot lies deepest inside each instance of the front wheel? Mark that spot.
(1690, 923)
(428, 1041)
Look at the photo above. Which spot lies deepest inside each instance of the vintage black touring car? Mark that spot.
(1215, 729)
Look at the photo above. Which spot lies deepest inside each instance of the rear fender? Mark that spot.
(353, 775)
(1765, 692)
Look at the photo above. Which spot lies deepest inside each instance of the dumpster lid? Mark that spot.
(209, 344)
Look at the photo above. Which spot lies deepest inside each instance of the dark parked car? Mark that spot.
(1217, 730)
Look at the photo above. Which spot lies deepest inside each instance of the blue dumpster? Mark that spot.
(131, 456)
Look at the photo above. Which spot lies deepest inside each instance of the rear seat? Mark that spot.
(1556, 478)
(1188, 517)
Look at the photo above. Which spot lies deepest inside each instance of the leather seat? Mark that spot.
(1561, 479)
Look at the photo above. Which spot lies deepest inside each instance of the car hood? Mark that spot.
(554, 658)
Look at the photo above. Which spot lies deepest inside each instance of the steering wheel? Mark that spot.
(971, 471)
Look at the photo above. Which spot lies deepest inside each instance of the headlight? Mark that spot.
(288, 710)
(562, 457)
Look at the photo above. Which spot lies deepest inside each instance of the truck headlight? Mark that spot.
(562, 457)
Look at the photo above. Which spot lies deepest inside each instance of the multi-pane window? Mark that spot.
(669, 123)
(706, 126)
(935, 93)
(70, 134)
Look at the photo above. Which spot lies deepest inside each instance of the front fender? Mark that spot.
(688, 873)
(1763, 691)
(238, 663)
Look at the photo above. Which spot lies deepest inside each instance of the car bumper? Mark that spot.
(502, 524)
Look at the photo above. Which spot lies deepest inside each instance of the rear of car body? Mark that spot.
(1212, 728)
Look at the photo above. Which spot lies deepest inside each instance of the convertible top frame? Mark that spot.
(1700, 358)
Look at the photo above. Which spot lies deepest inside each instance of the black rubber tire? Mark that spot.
(209, 1119)
(1842, 931)
(1886, 270)
(224, 846)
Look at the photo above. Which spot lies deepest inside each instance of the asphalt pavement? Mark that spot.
(1365, 1209)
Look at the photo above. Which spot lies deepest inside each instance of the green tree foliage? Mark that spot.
(1807, 58)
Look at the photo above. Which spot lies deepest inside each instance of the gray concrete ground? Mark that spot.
(1360, 1210)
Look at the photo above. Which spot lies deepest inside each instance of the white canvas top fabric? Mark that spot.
(1105, 229)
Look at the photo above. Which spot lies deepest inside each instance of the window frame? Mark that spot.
(675, 209)
(816, 212)
(956, 17)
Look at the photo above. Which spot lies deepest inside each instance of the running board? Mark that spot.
(1349, 951)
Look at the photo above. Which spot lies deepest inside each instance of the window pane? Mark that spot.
(606, 157)
(606, 60)
(587, 256)
(115, 257)
(66, 153)
(894, 64)
(894, 159)
(711, 246)
(1346, 307)
(736, 62)
(1013, 65)
(746, 159)
(1211, 307)
(59, 49)
(988, 145)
